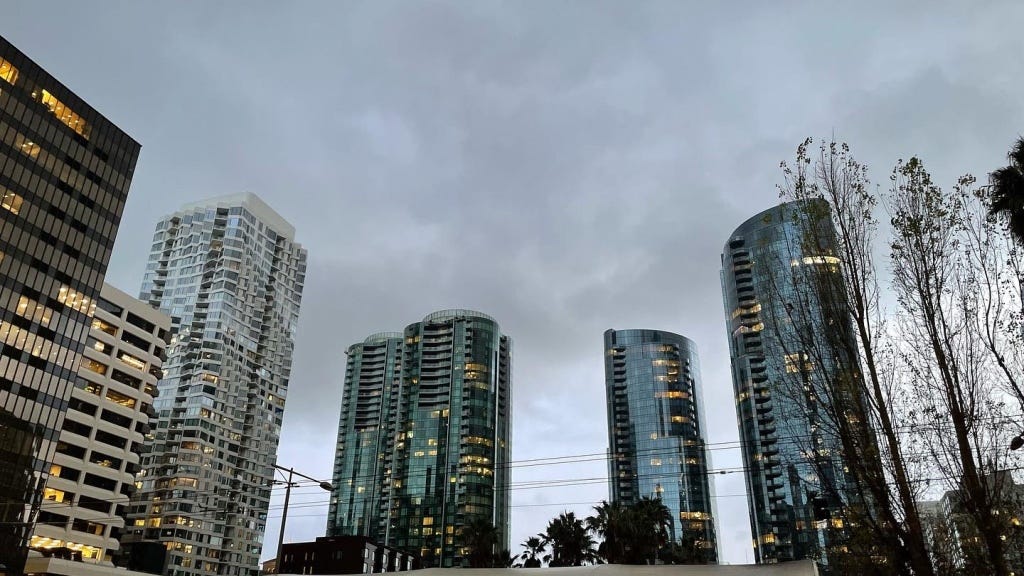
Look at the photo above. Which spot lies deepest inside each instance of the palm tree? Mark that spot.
(1006, 192)
(653, 520)
(479, 537)
(571, 544)
(534, 548)
(503, 559)
(612, 523)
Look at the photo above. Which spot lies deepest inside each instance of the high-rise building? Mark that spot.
(796, 486)
(64, 177)
(104, 433)
(366, 437)
(656, 430)
(230, 275)
(424, 439)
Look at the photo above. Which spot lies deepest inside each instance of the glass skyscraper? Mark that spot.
(366, 437)
(64, 177)
(230, 275)
(424, 436)
(795, 479)
(656, 430)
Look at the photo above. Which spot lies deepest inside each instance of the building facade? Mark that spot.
(442, 460)
(230, 275)
(656, 430)
(796, 486)
(64, 177)
(344, 555)
(366, 437)
(954, 541)
(103, 435)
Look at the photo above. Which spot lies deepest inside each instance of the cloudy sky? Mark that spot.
(565, 167)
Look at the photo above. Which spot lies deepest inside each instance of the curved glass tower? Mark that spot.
(366, 434)
(796, 487)
(424, 438)
(655, 430)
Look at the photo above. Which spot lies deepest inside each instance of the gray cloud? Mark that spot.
(566, 167)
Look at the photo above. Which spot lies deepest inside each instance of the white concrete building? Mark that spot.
(230, 274)
(93, 472)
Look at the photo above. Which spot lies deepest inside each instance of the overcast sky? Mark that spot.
(565, 167)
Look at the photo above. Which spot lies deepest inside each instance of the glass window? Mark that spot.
(8, 72)
(120, 399)
(98, 324)
(97, 367)
(131, 360)
(63, 113)
(76, 300)
(11, 201)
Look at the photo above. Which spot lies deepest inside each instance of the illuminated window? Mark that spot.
(655, 461)
(63, 113)
(428, 521)
(98, 324)
(815, 260)
(34, 311)
(53, 495)
(120, 399)
(11, 201)
(97, 367)
(8, 72)
(26, 146)
(479, 440)
(76, 300)
(746, 310)
(671, 394)
(792, 362)
(684, 515)
(746, 329)
(680, 419)
(131, 360)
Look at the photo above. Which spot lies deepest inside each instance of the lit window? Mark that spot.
(120, 399)
(7, 71)
(76, 300)
(34, 311)
(53, 495)
(655, 461)
(815, 260)
(792, 362)
(63, 113)
(671, 394)
(97, 367)
(98, 324)
(11, 201)
(746, 310)
(680, 419)
(26, 146)
(131, 360)
(428, 521)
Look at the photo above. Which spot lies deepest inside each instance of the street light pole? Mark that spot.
(287, 496)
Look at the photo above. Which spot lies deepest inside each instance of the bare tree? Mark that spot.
(844, 358)
(935, 255)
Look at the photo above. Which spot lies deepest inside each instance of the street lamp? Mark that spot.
(287, 494)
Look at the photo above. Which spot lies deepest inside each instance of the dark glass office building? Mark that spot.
(796, 486)
(656, 430)
(424, 454)
(64, 177)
